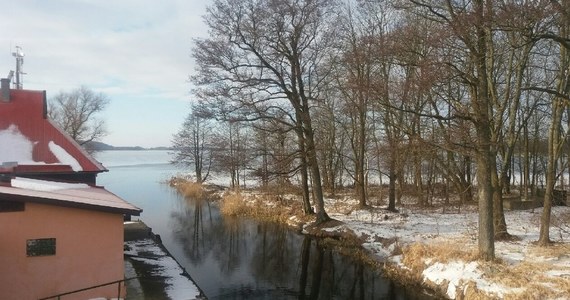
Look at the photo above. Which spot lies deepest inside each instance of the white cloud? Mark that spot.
(126, 49)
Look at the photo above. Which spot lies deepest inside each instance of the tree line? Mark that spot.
(469, 97)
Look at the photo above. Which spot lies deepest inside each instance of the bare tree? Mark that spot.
(231, 151)
(332, 141)
(469, 24)
(193, 145)
(274, 146)
(77, 112)
(265, 57)
(561, 97)
(509, 48)
(359, 65)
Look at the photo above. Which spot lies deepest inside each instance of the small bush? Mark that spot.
(233, 204)
(416, 254)
(266, 208)
(530, 276)
(190, 189)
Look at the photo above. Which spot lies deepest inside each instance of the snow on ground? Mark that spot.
(386, 233)
(522, 270)
(439, 247)
(148, 252)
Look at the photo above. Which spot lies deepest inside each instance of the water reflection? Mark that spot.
(240, 259)
(235, 259)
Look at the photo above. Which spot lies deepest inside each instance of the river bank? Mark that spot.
(238, 258)
(152, 271)
(430, 247)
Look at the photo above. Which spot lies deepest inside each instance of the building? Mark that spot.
(59, 231)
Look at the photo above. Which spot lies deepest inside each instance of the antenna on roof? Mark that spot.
(19, 55)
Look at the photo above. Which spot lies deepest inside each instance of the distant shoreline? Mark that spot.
(99, 146)
(136, 148)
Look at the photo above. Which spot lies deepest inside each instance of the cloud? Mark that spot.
(128, 49)
(94, 43)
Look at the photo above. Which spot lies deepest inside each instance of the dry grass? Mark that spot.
(342, 207)
(233, 204)
(531, 277)
(281, 204)
(555, 250)
(190, 189)
(414, 255)
(267, 208)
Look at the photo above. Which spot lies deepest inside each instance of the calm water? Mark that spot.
(233, 258)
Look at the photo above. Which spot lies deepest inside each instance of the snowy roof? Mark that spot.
(29, 138)
(77, 195)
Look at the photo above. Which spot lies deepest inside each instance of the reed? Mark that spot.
(190, 189)
(261, 207)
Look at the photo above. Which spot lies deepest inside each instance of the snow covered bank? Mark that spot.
(523, 270)
(164, 267)
(437, 247)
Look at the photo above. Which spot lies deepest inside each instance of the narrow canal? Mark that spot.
(232, 258)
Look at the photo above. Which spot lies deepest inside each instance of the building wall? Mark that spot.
(89, 251)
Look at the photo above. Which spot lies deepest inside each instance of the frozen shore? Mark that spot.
(159, 276)
(437, 248)
(523, 270)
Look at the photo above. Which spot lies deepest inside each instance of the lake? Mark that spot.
(233, 258)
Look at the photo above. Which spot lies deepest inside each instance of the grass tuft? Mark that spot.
(233, 204)
(190, 189)
(266, 208)
(415, 255)
(529, 280)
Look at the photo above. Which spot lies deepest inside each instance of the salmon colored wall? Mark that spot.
(89, 251)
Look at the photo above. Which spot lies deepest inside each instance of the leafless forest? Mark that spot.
(428, 97)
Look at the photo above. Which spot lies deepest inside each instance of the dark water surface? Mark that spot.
(233, 258)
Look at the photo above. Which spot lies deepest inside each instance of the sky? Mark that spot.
(136, 52)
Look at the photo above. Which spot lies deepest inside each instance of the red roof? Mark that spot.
(74, 195)
(27, 112)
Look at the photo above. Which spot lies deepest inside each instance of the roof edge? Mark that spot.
(79, 147)
(55, 202)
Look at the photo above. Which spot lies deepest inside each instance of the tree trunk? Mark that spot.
(198, 171)
(467, 181)
(544, 237)
(392, 176)
(307, 208)
(485, 155)
(485, 194)
(555, 140)
(500, 225)
(361, 150)
(526, 164)
(553, 155)
(418, 182)
(322, 215)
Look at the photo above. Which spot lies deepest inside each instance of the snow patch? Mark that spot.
(64, 157)
(44, 185)
(397, 260)
(558, 273)
(179, 287)
(458, 274)
(453, 272)
(385, 233)
(378, 249)
(14, 146)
